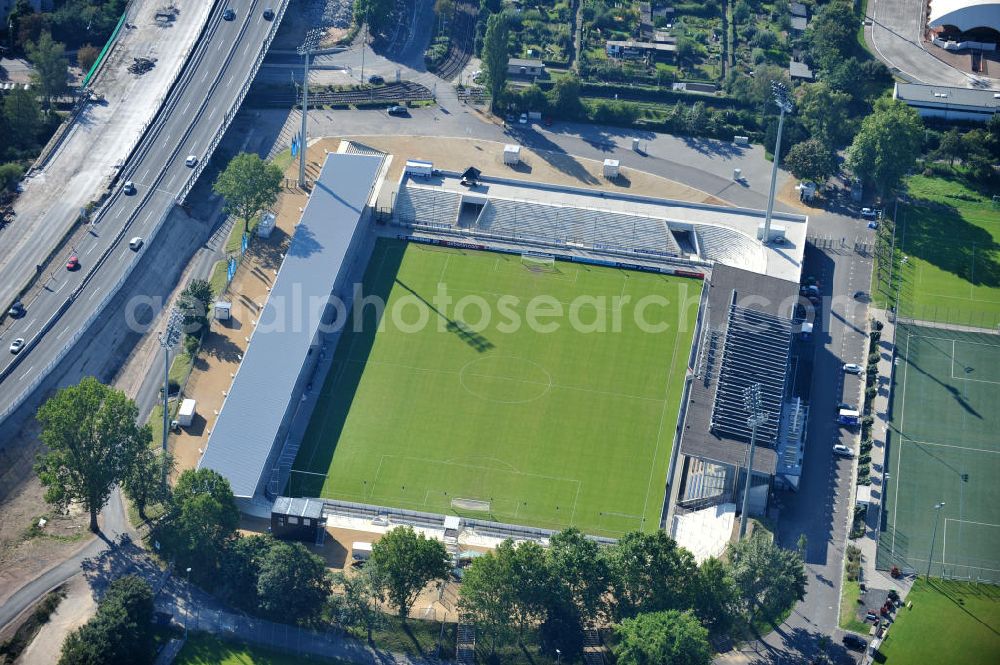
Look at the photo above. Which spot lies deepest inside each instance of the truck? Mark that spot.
(361, 552)
(848, 417)
(185, 415)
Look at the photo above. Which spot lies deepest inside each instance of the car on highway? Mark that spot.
(842, 450)
(73, 263)
(853, 368)
(191, 160)
(16, 310)
(852, 641)
(17, 345)
(375, 79)
(135, 244)
(397, 111)
(129, 188)
(268, 14)
(229, 14)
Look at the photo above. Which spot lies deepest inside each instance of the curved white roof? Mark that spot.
(965, 14)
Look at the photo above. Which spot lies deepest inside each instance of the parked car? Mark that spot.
(844, 405)
(397, 111)
(129, 188)
(873, 224)
(268, 14)
(852, 641)
(229, 14)
(523, 119)
(135, 244)
(842, 450)
(375, 79)
(73, 263)
(17, 345)
(853, 368)
(16, 310)
(191, 160)
(869, 213)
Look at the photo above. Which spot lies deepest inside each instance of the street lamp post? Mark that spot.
(187, 608)
(784, 106)
(937, 516)
(751, 399)
(310, 43)
(168, 339)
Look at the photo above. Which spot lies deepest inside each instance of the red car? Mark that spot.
(73, 263)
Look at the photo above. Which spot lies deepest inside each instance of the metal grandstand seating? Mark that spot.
(756, 351)
(430, 206)
(719, 243)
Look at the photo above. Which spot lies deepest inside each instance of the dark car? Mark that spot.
(375, 79)
(229, 14)
(397, 111)
(268, 14)
(844, 405)
(16, 310)
(854, 642)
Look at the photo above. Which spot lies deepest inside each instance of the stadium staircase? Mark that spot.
(465, 647)
(593, 650)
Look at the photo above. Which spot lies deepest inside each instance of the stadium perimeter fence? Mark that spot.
(421, 519)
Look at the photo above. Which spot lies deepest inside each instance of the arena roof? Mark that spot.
(263, 390)
(965, 15)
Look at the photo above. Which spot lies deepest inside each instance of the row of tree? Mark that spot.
(77, 23)
(120, 633)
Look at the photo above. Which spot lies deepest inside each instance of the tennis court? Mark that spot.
(944, 449)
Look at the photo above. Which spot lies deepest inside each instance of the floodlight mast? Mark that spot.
(168, 339)
(751, 400)
(309, 45)
(784, 105)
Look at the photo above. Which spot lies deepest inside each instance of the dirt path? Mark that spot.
(74, 611)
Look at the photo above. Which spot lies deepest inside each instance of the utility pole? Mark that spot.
(168, 339)
(312, 40)
(751, 400)
(364, 45)
(937, 516)
(784, 105)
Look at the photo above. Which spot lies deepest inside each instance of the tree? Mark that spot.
(662, 637)
(194, 303)
(887, 145)
(375, 13)
(359, 603)
(23, 115)
(811, 160)
(575, 561)
(120, 633)
(86, 56)
(239, 568)
(686, 49)
(531, 582)
(293, 584)
(769, 579)
(495, 55)
(91, 439)
(488, 597)
(716, 600)
(405, 563)
(10, 175)
(831, 32)
(51, 66)
(143, 480)
(249, 185)
(825, 113)
(564, 98)
(203, 519)
(649, 573)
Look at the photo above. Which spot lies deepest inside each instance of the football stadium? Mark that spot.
(507, 355)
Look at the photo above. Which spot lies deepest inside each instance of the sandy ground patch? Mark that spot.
(74, 611)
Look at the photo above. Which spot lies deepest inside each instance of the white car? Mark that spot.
(853, 368)
(135, 244)
(191, 160)
(869, 213)
(524, 119)
(17, 345)
(842, 450)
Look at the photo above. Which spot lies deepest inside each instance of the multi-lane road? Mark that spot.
(200, 107)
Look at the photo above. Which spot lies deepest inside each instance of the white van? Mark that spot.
(361, 551)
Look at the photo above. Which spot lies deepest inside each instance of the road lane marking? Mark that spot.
(219, 47)
(230, 81)
(121, 257)
(60, 335)
(29, 324)
(93, 293)
(27, 372)
(188, 105)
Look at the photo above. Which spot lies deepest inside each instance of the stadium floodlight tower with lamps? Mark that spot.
(937, 515)
(784, 105)
(168, 339)
(751, 400)
(309, 44)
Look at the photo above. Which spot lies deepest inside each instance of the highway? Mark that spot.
(200, 106)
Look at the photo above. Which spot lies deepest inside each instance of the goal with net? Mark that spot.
(538, 261)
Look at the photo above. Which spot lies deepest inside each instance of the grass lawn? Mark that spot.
(204, 649)
(235, 239)
(950, 238)
(951, 622)
(555, 424)
(849, 595)
(219, 277)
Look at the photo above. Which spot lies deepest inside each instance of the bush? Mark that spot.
(120, 632)
(10, 174)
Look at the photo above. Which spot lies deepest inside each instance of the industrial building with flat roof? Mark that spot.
(327, 248)
(936, 101)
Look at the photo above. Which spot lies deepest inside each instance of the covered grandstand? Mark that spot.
(331, 245)
(594, 219)
(965, 20)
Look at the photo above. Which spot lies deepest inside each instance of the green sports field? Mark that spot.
(948, 255)
(554, 420)
(944, 448)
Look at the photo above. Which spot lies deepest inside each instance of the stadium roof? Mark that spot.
(965, 15)
(916, 94)
(746, 339)
(263, 391)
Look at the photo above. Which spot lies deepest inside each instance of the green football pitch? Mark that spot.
(559, 410)
(944, 448)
